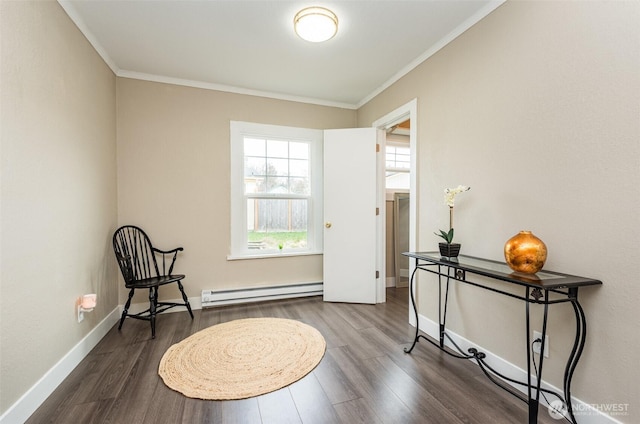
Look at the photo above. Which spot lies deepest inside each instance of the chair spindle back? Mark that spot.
(134, 253)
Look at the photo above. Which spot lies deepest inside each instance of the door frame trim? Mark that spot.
(410, 111)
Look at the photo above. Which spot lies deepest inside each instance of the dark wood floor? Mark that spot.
(364, 377)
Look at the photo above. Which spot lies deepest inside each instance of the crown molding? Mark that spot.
(230, 89)
(77, 20)
(471, 21)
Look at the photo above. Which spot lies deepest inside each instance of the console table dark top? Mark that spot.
(546, 280)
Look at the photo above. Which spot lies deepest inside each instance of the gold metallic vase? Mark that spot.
(525, 253)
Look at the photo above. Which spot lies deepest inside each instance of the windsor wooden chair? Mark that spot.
(146, 267)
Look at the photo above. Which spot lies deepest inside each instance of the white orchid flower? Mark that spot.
(450, 194)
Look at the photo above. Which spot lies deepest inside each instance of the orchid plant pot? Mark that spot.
(449, 250)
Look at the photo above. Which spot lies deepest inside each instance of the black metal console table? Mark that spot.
(544, 288)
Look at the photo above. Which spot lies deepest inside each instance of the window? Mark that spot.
(276, 190)
(398, 165)
(398, 158)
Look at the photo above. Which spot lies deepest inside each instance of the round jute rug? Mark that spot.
(242, 358)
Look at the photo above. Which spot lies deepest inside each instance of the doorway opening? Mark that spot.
(400, 127)
(397, 203)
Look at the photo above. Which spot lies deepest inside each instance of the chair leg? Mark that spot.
(185, 298)
(125, 310)
(152, 312)
(155, 296)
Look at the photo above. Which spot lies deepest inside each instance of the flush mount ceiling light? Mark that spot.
(315, 24)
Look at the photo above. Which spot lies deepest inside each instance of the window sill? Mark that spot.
(271, 255)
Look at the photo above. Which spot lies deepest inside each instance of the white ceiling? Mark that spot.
(249, 46)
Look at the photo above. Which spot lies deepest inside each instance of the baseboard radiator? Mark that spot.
(212, 298)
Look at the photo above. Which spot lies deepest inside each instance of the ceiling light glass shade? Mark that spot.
(315, 24)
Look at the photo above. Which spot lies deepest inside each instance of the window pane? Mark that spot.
(254, 171)
(254, 147)
(298, 150)
(298, 168)
(277, 166)
(276, 185)
(277, 149)
(397, 157)
(272, 223)
(299, 186)
(254, 185)
(254, 166)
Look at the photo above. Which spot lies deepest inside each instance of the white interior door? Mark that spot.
(351, 223)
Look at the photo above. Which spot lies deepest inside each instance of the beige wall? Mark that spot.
(173, 174)
(536, 108)
(58, 190)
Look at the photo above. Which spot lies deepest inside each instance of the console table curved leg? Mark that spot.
(415, 310)
(576, 352)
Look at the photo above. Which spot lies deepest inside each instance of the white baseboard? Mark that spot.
(20, 411)
(584, 413)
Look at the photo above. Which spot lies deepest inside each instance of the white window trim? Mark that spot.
(240, 129)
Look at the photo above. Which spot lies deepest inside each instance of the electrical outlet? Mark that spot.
(536, 346)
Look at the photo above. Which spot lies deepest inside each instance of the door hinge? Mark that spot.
(377, 211)
(377, 274)
(377, 148)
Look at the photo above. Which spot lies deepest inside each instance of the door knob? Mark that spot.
(327, 224)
